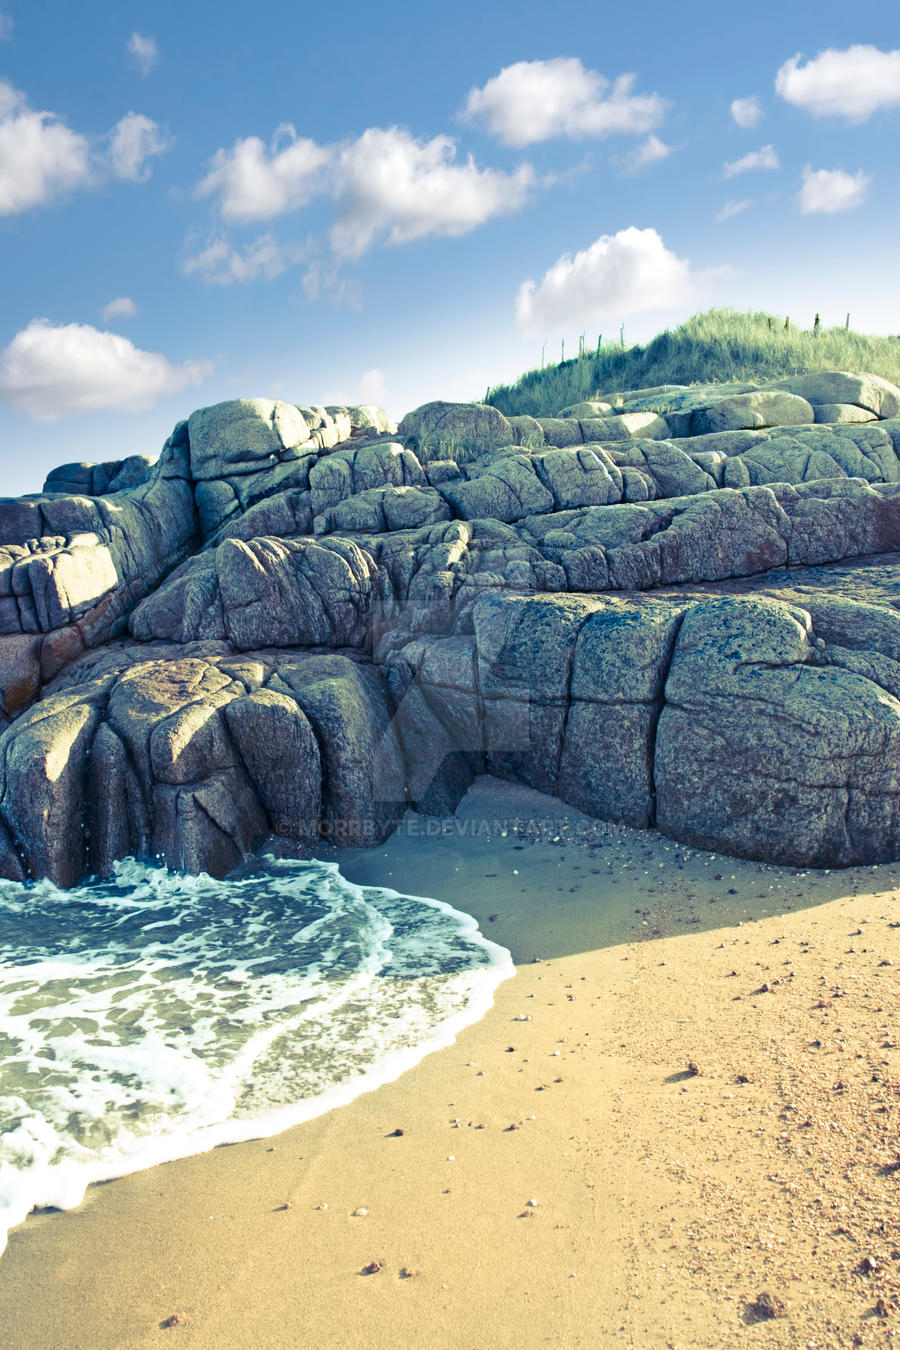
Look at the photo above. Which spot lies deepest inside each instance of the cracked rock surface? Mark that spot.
(675, 608)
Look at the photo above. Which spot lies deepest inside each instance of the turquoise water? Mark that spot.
(156, 1015)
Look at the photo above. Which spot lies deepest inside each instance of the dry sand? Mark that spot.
(687, 1098)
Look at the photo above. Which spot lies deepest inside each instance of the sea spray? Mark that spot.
(156, 1015)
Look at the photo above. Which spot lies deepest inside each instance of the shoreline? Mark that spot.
(667, 1201)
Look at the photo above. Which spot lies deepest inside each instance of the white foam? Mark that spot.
(160, 1015)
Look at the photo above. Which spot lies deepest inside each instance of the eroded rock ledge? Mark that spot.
(673, 608)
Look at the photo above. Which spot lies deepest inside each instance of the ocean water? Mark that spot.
(157, 1015)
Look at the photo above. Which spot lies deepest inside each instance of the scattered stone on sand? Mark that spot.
(176, 1319)
(766, 1306)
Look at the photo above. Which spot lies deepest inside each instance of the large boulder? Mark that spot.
(507, 489)
(583, 477)
(761, 408)
(383, 509)
(364, 774)
(766, 751)
(842, 413)
(560, 431)
(589, 408)
(363, 417)
(278, 592)
(438, 718)
(564, 431)
(637, 547)
(861, 451)
(621, 660)
(672, 471)
(780, 460)
(244, 435)
(194, 759)
(526, 647)
(96, 480)
(346, 473)
(460, 431)
(526, 431)
(840, 386)
(281, 757)
(286, 514)
(44, 761)
(72, 568)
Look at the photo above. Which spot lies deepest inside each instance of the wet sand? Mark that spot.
(686, 1099)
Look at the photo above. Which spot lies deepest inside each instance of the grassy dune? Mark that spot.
(716, 346)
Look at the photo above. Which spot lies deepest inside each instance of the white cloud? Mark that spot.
(145, 51)
(618, 275)
(404, 189)
(51, 371)
(652, 151)
(221, 264)
(746, 111)
(733, 208)
(40, 157)
(765, 158)
(256, 182)
(6, 27)
(133, 141)
(854, 83)
(534, 101)
(323, 281)
(825, 191)
(123, 307)
(385, 183)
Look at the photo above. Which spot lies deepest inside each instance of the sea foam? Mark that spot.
(157, 1015)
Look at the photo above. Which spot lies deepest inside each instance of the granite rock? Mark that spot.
(300, 620)
(460, 431)
(871, 392)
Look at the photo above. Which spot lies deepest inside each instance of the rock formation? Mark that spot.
(672, 607)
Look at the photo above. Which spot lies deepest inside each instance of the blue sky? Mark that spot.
(353, 203)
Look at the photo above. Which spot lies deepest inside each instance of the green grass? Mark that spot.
(720, 345)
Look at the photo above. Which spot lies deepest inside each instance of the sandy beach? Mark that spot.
(676, 1127)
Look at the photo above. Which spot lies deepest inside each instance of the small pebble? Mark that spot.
(766, 1305)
